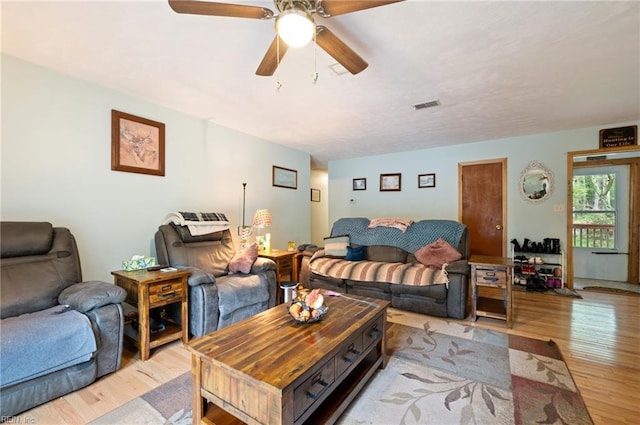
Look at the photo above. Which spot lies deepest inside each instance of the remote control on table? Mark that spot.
(155, 268)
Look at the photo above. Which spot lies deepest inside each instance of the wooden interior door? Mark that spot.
(482, 200)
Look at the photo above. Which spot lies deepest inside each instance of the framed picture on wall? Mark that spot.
(426, 180)
(284, 177)
(390, 182)
(360, 184)
(137, 144)
(315, 195)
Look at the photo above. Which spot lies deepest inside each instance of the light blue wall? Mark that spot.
(319, 210)
(56, 166)
(536, 222)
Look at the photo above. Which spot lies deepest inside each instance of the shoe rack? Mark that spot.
(538, 266)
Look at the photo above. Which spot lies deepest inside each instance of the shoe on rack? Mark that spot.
(530, 285)
(516, 245)
(539, 260)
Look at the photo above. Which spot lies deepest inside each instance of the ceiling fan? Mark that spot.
(299, 14)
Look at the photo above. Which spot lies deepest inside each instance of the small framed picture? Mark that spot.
(315, 195)
(390, 182)
(360, 184)
(284, 177)
(426, 180)
(137, 144)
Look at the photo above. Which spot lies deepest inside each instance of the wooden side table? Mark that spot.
(284, 266)
(150, 290)
(492, 272)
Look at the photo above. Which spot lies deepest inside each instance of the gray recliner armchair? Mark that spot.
(216, 298)
(57, 333)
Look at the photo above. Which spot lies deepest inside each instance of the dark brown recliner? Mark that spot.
(58, 334)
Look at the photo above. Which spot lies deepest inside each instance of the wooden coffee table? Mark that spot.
(270, 370)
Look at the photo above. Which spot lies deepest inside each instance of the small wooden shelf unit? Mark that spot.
(494, 274)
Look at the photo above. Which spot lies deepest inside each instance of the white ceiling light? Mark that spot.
(295, 27)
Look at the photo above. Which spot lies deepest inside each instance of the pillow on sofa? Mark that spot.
(437, 253)
(336, 246)
(386, 254)
(243, 260)
(355, 254)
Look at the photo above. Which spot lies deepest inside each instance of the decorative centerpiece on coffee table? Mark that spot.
(308, 307)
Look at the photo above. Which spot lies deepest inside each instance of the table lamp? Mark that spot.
(262, 219)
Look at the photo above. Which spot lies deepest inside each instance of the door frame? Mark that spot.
(503, 164)
(634, 204)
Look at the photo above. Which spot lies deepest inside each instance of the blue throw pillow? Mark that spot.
(355, 254)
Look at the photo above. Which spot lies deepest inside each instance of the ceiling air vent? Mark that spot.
(426, 105)
(338, 69)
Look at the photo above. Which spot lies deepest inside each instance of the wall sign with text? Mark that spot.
(619, 137)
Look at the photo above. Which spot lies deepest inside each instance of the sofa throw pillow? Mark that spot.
(336, 246)
(386, 254)
(355, 254)
(244, 259)
(437, 253)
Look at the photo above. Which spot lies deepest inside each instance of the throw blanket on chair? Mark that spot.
(198, 223)
(375, 271)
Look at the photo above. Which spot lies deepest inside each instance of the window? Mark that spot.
(594, 210)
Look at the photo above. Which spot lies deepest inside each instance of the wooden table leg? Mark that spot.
(199, 403)
(144, 326)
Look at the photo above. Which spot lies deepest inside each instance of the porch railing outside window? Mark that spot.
(594, 211)
(594, 235)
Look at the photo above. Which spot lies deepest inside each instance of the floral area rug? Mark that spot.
(442, 373)
(468, 376)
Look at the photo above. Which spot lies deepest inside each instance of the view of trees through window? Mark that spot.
(594, 210)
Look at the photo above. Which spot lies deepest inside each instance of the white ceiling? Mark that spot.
(499, 69)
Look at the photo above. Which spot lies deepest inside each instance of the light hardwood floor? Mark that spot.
(598, 335)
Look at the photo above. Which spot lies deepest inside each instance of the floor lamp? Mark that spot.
(244, 232)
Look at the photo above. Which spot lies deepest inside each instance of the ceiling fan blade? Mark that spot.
(220, 9)
(327, 8)
(331, 44)
(270, 60)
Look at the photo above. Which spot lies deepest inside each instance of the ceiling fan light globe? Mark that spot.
(295, 27)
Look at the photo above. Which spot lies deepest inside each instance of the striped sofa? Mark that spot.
(390, 270)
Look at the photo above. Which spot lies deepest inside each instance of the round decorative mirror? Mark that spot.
(536, 183)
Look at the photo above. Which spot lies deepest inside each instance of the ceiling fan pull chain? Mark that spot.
(278, 83)
(315, 58)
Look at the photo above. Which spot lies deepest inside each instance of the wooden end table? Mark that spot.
(270, 370)
(492, 272)
(284, 266)
(148, 290)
